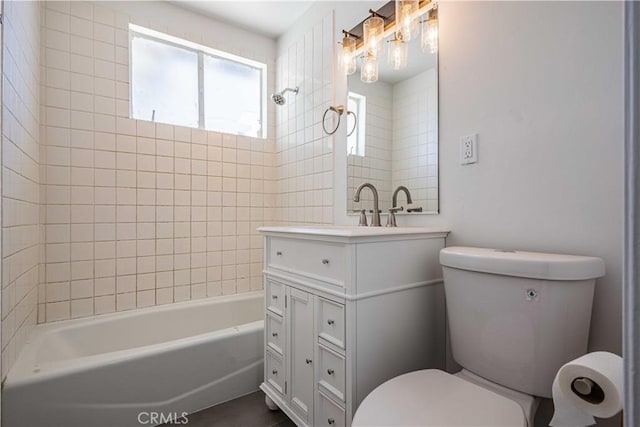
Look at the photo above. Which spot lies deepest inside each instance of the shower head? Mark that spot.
(278, 97)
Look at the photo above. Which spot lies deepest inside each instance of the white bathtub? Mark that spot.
(138, 367)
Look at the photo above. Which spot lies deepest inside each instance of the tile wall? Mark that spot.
(137, 214)
(102, 213)
(21, 179)
(304, 154)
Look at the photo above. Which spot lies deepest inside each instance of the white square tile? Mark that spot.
(82, 308)
(105, 304)
(126, 301)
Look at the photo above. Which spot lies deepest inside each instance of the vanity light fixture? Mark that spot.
(369, 69)
(348, 54)
(407, 19)
(398, 53)
(373, 32)
(402, 19)
(429, 39)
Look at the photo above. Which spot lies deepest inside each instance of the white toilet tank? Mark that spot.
(516, 317)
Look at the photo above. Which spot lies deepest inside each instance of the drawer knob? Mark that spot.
(308, 361)
(331, 421)
(279, 253)
(274, 372)
(325, 261)
(274, 334)
(274, 296)
(330, 371)
(330, 322)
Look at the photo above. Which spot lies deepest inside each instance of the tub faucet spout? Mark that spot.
(375, 218)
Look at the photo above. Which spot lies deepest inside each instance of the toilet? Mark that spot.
(514, 319)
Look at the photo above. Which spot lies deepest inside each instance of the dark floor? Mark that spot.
(246, 411)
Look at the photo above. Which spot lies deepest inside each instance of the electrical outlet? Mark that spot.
(468, 149)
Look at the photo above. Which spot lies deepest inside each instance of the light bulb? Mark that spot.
(398, 53)
(429, 39)
(373, 29)
(369, 69)
(348, 56)
(406, 19)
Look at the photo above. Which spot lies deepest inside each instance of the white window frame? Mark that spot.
(361, 118)
(200, 50)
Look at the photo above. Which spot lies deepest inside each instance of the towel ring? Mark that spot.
(339, 110)
(355, 124)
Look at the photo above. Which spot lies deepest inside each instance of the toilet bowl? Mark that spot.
(514, 319)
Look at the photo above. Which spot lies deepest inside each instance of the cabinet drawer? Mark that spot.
(275, 372)
(275, 297)
(332, 372)
(322, 260)
(331, 322)
(329, 414)
(275, 333)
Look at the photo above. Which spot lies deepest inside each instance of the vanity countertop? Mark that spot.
(355, 231)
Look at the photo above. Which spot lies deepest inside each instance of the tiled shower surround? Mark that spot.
(115, 214)
(21, 242)
(136, 213)
(139, 214)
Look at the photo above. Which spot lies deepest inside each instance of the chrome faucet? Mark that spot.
(395, 196)
(375, 217)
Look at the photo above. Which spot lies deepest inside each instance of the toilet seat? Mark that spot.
(435, 398)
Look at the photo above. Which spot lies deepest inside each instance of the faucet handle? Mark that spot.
(391, 218)
(363, 217)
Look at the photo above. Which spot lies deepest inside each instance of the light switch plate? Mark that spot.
(468, 149)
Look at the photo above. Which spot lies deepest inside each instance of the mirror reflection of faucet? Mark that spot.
(394, 199)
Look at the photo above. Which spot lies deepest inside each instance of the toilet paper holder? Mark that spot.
(588, 390)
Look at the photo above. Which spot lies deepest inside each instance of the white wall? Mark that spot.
(541, 85)
(20, 175)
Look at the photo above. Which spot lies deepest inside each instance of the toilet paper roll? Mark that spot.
(589, 386)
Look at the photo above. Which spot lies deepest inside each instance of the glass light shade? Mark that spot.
(369, 69)
(398, 54)
(373, 29)
(429, 39)
(406, 19)
(348, 55)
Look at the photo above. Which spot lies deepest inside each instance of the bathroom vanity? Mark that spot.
(347, 308)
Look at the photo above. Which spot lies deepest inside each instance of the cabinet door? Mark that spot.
(301, 353)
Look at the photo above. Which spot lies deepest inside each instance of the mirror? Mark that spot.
(394, 140)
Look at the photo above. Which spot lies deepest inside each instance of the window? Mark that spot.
(356, 125)
(182, 83)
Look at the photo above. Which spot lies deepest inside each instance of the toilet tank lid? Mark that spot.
(533, 265)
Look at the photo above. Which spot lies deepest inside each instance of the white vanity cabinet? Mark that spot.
(348, 308)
